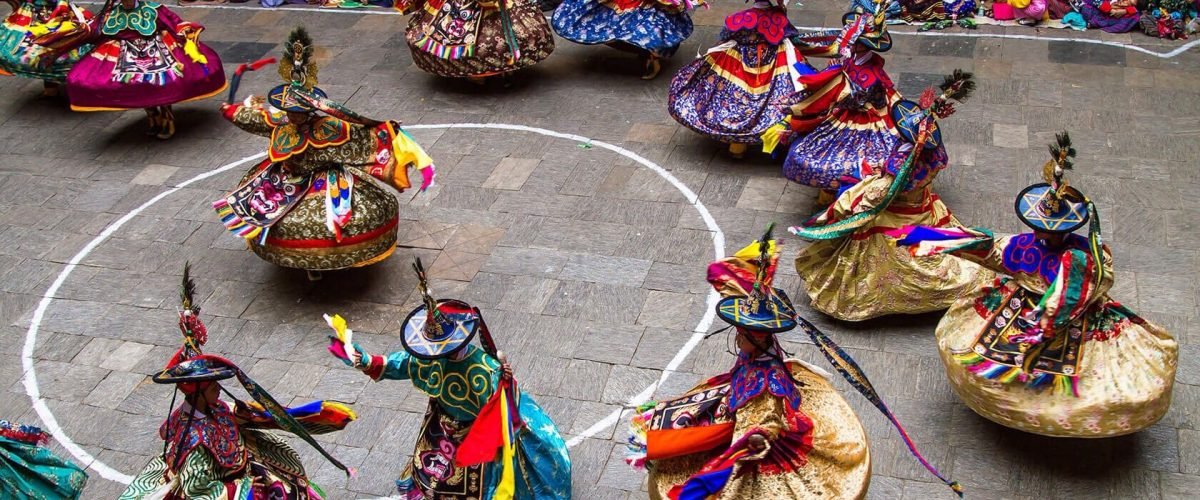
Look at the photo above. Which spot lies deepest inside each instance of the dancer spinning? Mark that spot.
(1045, 349)
(215, 451)
(146, 57)
(476, 38)
(844, 118)
(30, 471)
(43, 39)
(737, 90)
(770, 428)
(482, 436)
(853, 271)
(313, 203)
(653, 29)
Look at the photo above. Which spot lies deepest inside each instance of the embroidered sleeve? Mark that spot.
(395, 152)
(251, 117)
(394, 366)
(974, 244)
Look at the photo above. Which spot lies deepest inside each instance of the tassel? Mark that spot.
(507, 487)
(233, 223)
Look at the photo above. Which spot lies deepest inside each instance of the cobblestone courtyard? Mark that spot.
(587, 260)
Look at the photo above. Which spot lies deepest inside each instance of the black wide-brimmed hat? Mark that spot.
(746, 278)
(438, 328)
(201, 368)
(1054, 206)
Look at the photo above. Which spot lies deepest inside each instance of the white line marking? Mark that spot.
(383, 11)
(1165, 55)
(51, 424)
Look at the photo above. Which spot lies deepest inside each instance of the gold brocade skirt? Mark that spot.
(839, 463)
(1124, 382)
(301, 239)
(865, 275)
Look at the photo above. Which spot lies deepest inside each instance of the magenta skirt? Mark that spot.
(142, 73)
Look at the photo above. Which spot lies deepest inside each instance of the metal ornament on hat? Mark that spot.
(299, 72)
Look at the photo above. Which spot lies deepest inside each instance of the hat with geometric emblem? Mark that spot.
(1054, 206)
(438, 328)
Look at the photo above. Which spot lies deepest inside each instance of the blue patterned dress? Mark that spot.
(739, 88)
(843, 123)
(658, 27)
(458, 390)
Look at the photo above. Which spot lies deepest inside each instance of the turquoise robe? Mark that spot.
(459, 390)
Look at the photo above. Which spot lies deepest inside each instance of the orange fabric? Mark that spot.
(668, 443)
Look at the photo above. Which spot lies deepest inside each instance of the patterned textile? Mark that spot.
(444, 46)
(739, 89)
(217, 433)
(1097, 19)
(142, 61)
(30, 471)
(1123, 372)
(817, 452)
(21, 51)
(283, 209)
(844, 123)
(864, 275)
(432, 472)
(458, 389)
(643, 25)
(752, 377)
(273, 471)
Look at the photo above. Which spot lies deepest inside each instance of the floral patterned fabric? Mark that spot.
(738, 89)
(641, 25)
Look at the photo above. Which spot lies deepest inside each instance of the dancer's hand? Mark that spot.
(757, 443)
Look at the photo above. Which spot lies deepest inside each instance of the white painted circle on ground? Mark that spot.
(51, 423)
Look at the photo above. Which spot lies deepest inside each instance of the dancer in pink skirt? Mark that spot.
(146, 57)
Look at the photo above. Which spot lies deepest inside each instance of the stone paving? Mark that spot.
(588, 266)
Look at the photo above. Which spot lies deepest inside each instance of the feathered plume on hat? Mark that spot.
(195, 334)
(297, 65)
(1061, 155)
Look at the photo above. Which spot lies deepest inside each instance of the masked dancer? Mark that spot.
(737, 90)
(844, 116)
(852, 270)
(43, 39)
(771, 427)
